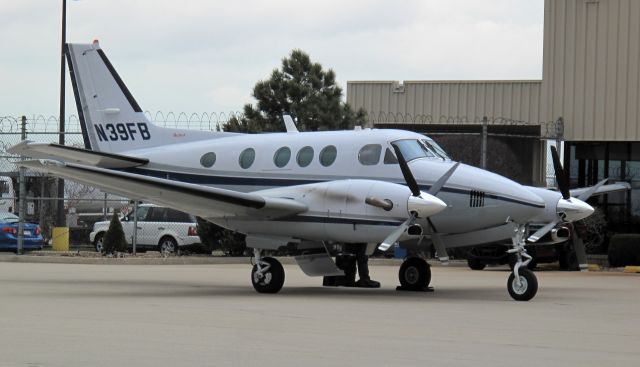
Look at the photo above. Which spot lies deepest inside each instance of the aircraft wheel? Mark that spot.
(414, 274)
(475, 263)
(568, 260)
(528, 285)
(270, 281)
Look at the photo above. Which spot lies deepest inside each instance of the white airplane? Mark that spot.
(305, 190)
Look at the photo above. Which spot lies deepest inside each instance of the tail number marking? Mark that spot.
(122, 131)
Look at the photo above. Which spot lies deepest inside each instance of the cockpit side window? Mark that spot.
(412, 149)
(389, 157)
(432, 145)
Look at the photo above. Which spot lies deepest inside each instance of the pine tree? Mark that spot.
(114, 239)
(305, 91)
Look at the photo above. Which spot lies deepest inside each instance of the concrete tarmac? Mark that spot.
(209, 315)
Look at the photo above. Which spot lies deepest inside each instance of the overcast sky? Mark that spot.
(204, 55)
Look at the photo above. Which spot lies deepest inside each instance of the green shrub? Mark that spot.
(114, 240)
(624, 249)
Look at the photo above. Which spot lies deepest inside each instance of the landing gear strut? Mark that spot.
(267, 275)
(522, 283)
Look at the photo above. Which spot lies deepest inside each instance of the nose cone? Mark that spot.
(574, 209)
(425, 205)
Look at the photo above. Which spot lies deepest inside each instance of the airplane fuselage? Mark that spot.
(475, 198)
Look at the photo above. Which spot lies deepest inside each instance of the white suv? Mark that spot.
(164, 229)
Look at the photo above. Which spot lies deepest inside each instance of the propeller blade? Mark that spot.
(587, 194)
(406, 172)
(543, 231)
(578, 247)
(561, 177)
(395, 235)
(442, 180)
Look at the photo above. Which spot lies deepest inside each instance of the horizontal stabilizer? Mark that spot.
(65, 153)
(203, 201)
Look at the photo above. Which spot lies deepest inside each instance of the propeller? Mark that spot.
(568, 209)
(406, 172)
(420, 204)
(561, 176)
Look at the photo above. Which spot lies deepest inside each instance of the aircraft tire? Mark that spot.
(568, 260)
(475, 263)
(273, 279)
(414, 274)
(529, 286)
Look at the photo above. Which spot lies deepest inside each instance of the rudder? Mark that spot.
(110, 117)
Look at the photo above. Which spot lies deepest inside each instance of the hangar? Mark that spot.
(588, 97)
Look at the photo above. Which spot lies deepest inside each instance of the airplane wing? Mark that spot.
(203, 201)
(66, 153)
(602, 190)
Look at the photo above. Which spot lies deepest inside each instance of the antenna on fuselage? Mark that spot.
(289, 124)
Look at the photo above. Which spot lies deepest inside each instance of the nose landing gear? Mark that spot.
(522, 284)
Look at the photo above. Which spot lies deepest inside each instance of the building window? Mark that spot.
(305, 156)
(328, 155)
(247, 157)
(282, 156)
(369, 155)
(208, 159)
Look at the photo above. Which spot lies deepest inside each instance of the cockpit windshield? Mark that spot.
(413, 149)
(432, 145)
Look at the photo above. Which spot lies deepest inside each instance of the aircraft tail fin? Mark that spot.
(110, 117)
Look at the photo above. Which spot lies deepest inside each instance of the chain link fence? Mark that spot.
(87, 209)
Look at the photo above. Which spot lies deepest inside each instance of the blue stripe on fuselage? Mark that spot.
(283, 182)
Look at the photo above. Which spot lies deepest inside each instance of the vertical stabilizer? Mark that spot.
(111, 119)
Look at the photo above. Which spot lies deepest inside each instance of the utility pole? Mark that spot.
(60, 210)
(22, 202)
(559, 137)
(483, 148)
(134, 240)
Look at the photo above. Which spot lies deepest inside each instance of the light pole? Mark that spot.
(60, 212)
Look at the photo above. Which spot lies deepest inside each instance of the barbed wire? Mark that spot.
(38, 123)
(548, 129)
(45, 129)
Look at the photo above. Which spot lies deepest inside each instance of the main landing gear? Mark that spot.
(522, 283)
(414, 275)
(267, 275)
